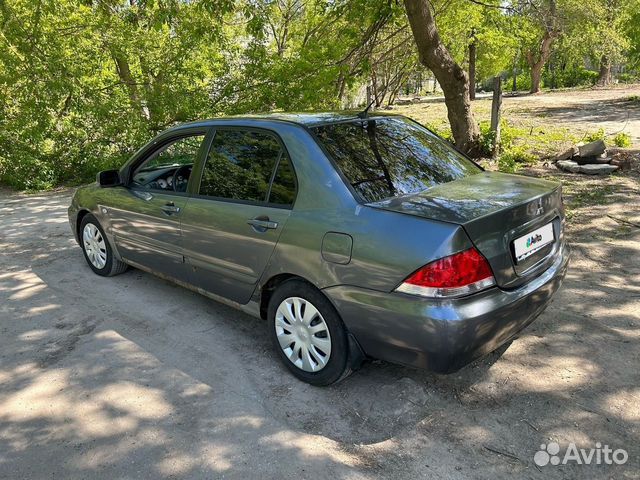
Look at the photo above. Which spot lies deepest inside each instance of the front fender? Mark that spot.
(89, 199)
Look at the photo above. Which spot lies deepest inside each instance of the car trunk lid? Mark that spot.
(495, 209)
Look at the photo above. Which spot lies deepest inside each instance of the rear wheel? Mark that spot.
(308, 334)
(96, 248)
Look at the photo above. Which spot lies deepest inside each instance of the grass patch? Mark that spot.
(518, 154)
(622, 140)
(584, 195)
(595, 136)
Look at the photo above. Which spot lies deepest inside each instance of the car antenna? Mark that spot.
(365, 113)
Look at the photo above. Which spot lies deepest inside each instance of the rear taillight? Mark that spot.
(453, 276)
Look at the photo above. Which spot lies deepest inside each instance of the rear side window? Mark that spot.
(283, 188)
(240, 165)
(387, 157)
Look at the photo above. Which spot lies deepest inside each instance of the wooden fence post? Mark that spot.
(496, 105)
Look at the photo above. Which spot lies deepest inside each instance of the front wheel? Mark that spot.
(308, 334)
(96, 248)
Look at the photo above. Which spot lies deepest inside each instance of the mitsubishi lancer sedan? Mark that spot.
(353, 236)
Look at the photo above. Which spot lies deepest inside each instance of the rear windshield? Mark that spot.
(387, 157)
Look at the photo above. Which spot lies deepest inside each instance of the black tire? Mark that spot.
(338, 366)
(112, 265)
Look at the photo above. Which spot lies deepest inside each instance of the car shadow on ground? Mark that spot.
(133, 374)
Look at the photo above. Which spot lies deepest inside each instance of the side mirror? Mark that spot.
(109, 178)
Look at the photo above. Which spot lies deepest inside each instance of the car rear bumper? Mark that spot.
(443, 335)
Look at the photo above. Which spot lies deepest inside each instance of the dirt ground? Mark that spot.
(133, 377)
(614, 110)
(575, 113)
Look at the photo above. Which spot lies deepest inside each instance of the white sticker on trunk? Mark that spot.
(533, 241)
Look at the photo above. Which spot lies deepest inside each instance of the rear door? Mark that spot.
(146, 221)
(232, 223)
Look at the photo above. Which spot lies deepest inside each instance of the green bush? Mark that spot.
(508, 135)
(629, 78)
(518, 154)
(622, 140)
(571, 77)
(594, 136)
(507, 164)
(66, 157)
(443, 132)
(523, 83)
(486, 138)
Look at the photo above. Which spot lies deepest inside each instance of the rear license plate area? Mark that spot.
(532, 242)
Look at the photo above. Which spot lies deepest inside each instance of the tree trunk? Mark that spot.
(538, 57)
(536, 77)
(514, 87)
(374, 88)
(537, 60)
(472, 66)
(452, 78)
(604, 77)
(126, 78)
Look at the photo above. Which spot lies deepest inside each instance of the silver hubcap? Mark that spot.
(94, 246)
(303, 334)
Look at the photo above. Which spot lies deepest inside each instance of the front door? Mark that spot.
(146, 224)
(233, 223)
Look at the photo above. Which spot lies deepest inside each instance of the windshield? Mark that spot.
(387, 157)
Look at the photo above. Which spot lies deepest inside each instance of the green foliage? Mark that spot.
(523, 82)
(595, 136)
(518, 154)
(631, 27)
(629, 78)
(514, 150)
(507, 164)
(622, 140)
(443, 132)
(487, 138)
(84, 84)
(570, 77)
(87, 83)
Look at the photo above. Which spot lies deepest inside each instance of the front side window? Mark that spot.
(169, 168)
(387, 157)
(240, 165)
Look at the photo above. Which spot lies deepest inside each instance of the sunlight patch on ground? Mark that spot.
(308, 446)
(624, 404)
(554, 373)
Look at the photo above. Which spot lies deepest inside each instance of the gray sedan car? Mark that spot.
(353, 236)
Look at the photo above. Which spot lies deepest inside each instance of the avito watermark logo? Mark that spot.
(600, 455)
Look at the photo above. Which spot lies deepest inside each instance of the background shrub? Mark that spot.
(622, 140)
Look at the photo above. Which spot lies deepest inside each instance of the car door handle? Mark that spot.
(170, 209)
(262, 224)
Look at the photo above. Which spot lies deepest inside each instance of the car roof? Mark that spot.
(304, 119)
